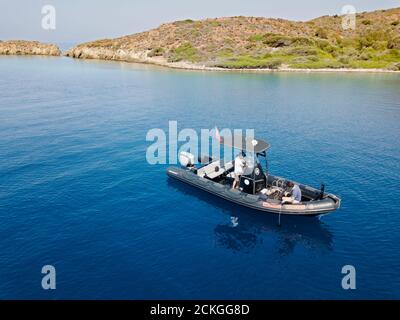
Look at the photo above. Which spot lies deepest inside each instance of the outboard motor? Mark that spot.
(204, 159)
(321, 195)
(186, 159)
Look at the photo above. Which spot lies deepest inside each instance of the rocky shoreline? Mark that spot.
(22, 47)
(83, 52)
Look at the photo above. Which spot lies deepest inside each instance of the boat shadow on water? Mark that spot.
(247, 228)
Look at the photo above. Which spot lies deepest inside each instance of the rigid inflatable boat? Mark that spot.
(257, 189)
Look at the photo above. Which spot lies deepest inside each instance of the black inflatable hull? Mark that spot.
(313, 208)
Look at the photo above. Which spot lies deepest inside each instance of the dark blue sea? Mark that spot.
(76, 191)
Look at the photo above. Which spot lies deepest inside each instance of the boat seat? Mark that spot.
(208, 170)
(228, 165)
(214, 169)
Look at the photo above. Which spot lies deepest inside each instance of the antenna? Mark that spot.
(321, 195)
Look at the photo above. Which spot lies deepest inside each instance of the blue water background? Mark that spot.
(76, 191)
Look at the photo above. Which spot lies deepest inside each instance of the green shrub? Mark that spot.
(348, 42)
(323, 44)
(277, 41)
(321, 33)
(186, 21)
(249, 62)
(273, 64)
(216, 23)
(366, 22)
(256, 38)
(304, 60)
(352, 52)
(184, 52)
(225, 52)
(364, 42)
(380, 45)
(365, 56)
(324, 63)
(344, 59)
(327, 47)
(156, 52)
(303, 51)
(105, 43)
(394, 43)
(250, 46)
(395, 67)
(368, 64)
(267, 55)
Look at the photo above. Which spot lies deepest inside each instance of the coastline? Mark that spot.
(194, 67)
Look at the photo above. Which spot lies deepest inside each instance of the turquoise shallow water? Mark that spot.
(76, 191)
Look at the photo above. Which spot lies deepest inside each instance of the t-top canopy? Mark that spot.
(245, 144)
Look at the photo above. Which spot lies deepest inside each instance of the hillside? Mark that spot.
(250, 42)
(21, 47)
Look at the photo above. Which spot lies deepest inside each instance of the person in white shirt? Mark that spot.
(240, 164)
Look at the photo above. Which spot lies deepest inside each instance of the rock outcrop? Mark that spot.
(21, 47)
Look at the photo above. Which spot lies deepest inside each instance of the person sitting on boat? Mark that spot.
(295, 194)
(240, 164)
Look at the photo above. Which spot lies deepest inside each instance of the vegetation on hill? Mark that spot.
(249, 42)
